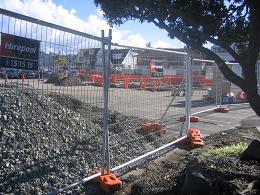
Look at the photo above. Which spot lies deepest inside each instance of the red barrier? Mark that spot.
(166, 79)
(126, 83)
(98, 80)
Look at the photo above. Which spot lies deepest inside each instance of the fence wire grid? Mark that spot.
(84, 102)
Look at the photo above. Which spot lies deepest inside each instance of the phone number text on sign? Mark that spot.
(19, 63)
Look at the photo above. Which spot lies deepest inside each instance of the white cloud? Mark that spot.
(100, 12)
(47, 10)
(161, 44)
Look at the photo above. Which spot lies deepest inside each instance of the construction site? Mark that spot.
(88, 107)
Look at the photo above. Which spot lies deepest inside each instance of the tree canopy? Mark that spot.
(233, 25)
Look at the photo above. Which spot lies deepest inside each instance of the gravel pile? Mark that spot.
(48, 141)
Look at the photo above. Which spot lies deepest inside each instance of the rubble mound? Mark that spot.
(48, 140)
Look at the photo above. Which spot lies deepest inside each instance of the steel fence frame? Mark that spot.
(103, 80)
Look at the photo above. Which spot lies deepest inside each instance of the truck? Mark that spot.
(156, 68)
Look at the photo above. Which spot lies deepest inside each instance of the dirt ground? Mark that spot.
(165, 175)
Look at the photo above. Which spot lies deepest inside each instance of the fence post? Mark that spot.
(188, 91)
(107, 84)
(215, 82)
(221, 90)
(106, 65)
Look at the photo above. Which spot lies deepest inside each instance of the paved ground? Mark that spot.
(212, 122)
(152, 105)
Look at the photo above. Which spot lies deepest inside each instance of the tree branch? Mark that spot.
(226, 71)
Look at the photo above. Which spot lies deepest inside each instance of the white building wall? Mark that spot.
(129, 61)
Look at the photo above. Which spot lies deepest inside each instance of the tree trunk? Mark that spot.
(251, 88)
(254, 100)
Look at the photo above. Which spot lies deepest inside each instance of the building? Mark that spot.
(87, 58)
(173, 63)
(120, 59)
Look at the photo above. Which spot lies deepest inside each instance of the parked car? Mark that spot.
(28, 74)
(11, 74)
(73, 73)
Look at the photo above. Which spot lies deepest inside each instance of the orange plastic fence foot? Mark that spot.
(195, 138)
(156, 128)
(109, 182)
(192, 119)
(222, 110)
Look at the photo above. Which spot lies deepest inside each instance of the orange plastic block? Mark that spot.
(109, 182)
(195, 138)
(196, 144)
(192, 119)
(157, 128)
(222, 110)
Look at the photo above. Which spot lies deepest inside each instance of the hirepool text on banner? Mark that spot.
(19, 52)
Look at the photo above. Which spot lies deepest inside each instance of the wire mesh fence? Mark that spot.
(70, 102)
(206, 86)
(51, 111)
(230, 95)
(142, 89)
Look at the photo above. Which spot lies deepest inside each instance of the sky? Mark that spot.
(83, 15)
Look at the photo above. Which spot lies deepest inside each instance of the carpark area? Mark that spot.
(151, 106)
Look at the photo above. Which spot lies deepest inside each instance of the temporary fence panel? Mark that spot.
(146, 100)
(232, 96)
(51, 104)
(206, 85)
(70, 102)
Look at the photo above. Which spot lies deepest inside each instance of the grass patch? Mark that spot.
(232, 150)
